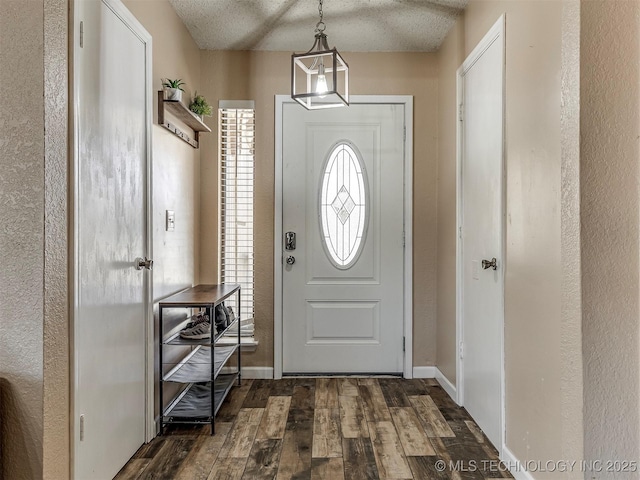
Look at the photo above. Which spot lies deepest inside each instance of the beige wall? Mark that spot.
(261, 75)
(56, 388)
(22, 206)
(610, 124)
(34, 380)
(537, 402)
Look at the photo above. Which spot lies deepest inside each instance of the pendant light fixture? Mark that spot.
(320, 77)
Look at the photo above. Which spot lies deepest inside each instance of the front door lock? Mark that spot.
(291, 260)
(290, 241)
(493, 263)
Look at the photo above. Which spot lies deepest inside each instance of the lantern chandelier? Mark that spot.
(320, 77)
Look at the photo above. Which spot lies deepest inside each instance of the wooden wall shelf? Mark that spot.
(182, 113)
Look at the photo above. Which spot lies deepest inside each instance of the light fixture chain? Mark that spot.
(320, 26)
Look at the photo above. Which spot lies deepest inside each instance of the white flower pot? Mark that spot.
(173, 94)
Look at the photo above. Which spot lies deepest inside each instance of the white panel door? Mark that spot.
(111, 233)
(343, 198)
(482, 222)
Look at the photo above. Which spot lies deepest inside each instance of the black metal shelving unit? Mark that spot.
(202, 385)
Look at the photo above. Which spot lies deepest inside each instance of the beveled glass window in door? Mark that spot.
(344, 204)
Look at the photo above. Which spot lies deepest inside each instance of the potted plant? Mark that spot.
(200, 106)
(173, 89)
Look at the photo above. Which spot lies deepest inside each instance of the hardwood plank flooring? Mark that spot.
(324, 428)
(275, 417)
(348, 387)
(359, 460)
(295, 460)
(327, 440)
(327, 468)
(199, 462)
(228, 469)
(390, 458)
(434, 422)
(327, 393)
(240, 439)
(413, 438)
(393, 392)
(375, 406)
(234, 401)
(263, 460)
(352, 420)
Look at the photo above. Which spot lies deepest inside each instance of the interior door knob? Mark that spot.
(291, 260)
(139, 263)
(493, 263)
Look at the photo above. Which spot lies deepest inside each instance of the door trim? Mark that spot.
(138, 29)
(407, 101)
(496, 33)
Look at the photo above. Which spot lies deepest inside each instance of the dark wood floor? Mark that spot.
(326, 428)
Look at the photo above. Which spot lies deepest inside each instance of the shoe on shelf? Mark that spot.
(232, 316)
(198, 332)
(195, 320)
(222, 317)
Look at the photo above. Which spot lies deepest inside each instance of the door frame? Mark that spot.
(495, 33)
(407, 101)
(119, 9)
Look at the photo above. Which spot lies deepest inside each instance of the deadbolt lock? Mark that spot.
(290, 241)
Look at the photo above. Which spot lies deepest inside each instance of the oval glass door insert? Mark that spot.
(344, 204)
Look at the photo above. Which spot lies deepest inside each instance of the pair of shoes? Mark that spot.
(199, 318)
(222, 317)
(198, 329)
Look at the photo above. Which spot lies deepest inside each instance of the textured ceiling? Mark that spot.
(288, 25)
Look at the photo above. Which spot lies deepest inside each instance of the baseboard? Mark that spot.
(424, 372)
(447, 386)
(434, 372)
(513, 464)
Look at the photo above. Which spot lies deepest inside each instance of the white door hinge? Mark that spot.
(81, 427)
(81, 34)
(404, 344)
(461, 350)
(404, 133)
(404, 239)
(460, 233)
(461, 112)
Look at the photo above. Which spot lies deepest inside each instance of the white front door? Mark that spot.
(111, 231)
(481, 218)
(343, 197)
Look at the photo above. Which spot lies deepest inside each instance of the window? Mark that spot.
(237, 155)
(343, 205)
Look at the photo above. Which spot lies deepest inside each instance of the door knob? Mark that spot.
(139, 263)
(490, 264)
(291, 260)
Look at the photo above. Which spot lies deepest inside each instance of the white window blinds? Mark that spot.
(237, 155)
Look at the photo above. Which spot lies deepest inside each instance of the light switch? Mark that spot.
(171, 221)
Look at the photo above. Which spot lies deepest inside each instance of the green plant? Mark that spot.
(200, 106)
(168, 83)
